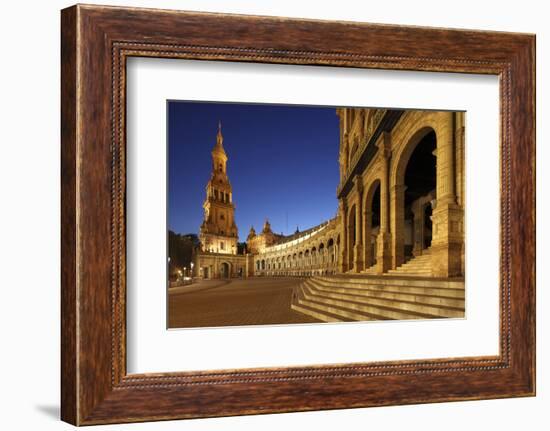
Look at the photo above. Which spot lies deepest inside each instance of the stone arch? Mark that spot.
(401, 160)
(404, 153)
(225, 270)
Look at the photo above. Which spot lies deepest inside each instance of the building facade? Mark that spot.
(307, 253)
(401, 200)
(258, 243)
(402, 192)
(400, 205)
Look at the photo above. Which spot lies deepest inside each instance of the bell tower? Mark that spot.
(218, 232)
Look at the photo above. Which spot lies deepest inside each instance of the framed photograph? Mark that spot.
(265, 215)
(327, 170)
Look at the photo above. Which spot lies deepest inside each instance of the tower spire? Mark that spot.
(219, 139)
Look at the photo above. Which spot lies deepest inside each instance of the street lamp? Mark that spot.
(192, 265)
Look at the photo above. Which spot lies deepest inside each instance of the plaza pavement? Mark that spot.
(235, 302)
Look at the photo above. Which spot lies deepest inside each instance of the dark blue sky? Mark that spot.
(282, 160)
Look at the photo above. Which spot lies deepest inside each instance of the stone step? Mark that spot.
(371, 285)
(410, 271)
(434, 298)
(370, 270)
(344, 313)
(385, 280)
(420, 264)
(298, 304)
(394, 308)
(326, 313)
(423, 262)
(361, 312)
(421, 257)
(415, 265)
(377, 310)
(315, 313)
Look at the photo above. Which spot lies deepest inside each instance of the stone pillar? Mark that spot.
(460, 157)
(397, 203)
(418, 228)
(358, 249)
(342, 252)
(460, 168)
(384, 239)
(448, 216)
(249, 265)
(367, 242)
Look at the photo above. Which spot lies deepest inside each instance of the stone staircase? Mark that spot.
(369, 270)
(360, 298)
(417, 266)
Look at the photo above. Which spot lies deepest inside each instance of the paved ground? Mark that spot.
(234, 302)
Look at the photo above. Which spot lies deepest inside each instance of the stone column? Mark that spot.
(367, 244)
(384, 239)
(342, 252)
(460, 174)
(397, 202)
(351, 238)
(460, 157)
(418, 227)
(358, 250)
(448, 216)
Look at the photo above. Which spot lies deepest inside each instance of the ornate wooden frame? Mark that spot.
(95, 43)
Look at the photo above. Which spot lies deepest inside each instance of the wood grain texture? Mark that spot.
(96, 41)
(69, 398)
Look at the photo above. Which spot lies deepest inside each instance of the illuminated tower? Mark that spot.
(218, 232)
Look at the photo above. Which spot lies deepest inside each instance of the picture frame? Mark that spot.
(96, 41)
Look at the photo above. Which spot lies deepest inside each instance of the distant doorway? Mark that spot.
(225, 270)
